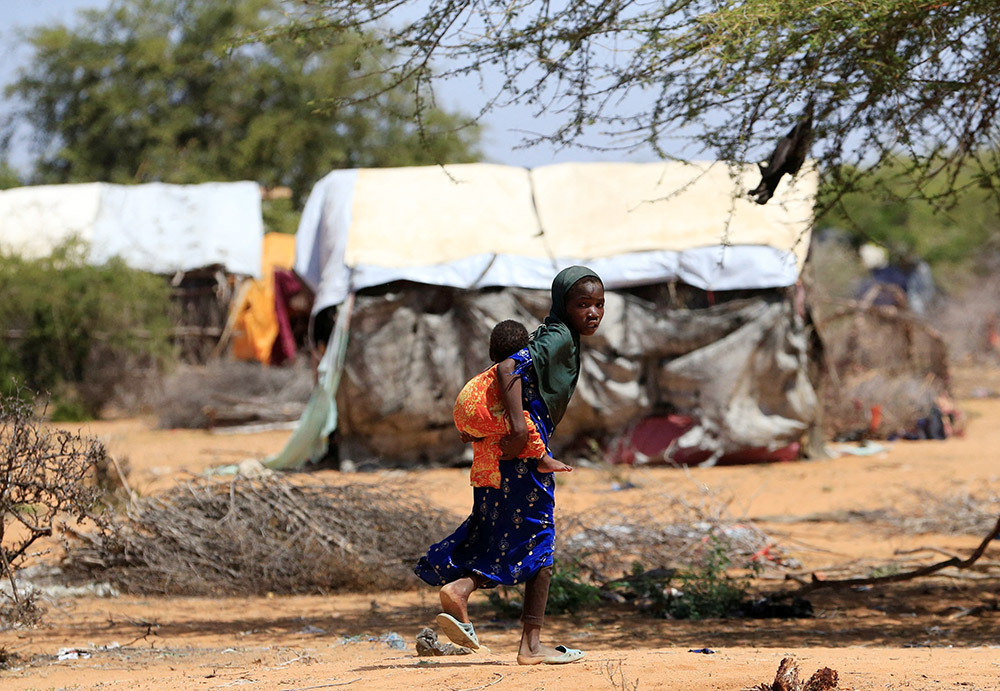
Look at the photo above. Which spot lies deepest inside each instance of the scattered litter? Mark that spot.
(867, 449)
(312, 629)
(391, 639)
(72, 654)
(703, 651)
(394, 641)
(55, 591)
(619, 486)
(428, 645)
(250, 467)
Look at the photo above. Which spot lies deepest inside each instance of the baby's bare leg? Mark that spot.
(547, 464)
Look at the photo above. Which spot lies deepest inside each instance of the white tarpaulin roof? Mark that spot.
(478, 225)
(153, 227)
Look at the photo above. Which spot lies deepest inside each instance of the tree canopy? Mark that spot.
(900, 80)
(167, 90)
(8, 176)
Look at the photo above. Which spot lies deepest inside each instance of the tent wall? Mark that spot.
(739, 368)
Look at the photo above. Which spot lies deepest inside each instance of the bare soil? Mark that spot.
(933, 633)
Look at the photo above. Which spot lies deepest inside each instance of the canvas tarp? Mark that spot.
(479, 225)
(739, 369)
(153, 227)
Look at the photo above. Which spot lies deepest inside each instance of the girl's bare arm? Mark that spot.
(510, 394)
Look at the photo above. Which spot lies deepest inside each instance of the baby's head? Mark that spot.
(507, 338)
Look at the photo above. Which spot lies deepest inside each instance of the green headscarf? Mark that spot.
(555, 346)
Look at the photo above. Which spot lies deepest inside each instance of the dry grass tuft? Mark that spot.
(664, 532)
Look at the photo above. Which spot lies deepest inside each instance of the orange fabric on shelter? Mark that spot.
(479, 411)
(256, 325)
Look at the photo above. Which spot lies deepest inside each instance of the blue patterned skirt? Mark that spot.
(509, 536)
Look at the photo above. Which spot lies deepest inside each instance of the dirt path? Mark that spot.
(939, 633)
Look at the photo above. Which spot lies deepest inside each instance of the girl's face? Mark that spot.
(585, 307)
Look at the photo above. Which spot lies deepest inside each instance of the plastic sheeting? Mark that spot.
(738, 369)
(477, 225)
(154, 227)
(319, 419)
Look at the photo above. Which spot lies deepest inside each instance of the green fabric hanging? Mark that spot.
(319, 419)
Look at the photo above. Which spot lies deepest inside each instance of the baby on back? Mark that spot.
(481, 417)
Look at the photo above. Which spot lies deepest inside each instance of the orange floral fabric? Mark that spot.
(479, 412)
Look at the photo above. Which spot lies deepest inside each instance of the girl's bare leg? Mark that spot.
(536, 594)
(455, 598)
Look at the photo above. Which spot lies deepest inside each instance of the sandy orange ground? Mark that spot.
(908, 636)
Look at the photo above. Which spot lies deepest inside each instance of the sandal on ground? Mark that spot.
(565, 656)
(458, 632)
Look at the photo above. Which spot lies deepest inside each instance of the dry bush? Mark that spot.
(859, 338)
(953, 514)
(8, 658)
(226, 392)
(966, 319)
(660, 533)
(903, 399)
(834, 270)
(84, 333)
(253, 536)
(123, 382)
(44, 474)
(879, 356)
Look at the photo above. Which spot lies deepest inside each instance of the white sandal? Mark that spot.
(458, 632)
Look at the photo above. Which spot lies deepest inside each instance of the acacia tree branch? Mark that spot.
(888, 78)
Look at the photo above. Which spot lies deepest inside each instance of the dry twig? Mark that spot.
(816, 584)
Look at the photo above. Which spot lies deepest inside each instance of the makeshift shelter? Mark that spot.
(205, 237)
(437, 255)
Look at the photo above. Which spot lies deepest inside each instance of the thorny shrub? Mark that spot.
(44, 475)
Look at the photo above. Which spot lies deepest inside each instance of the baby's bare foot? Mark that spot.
(551, 465)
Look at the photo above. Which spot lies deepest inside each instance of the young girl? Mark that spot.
(510, 536)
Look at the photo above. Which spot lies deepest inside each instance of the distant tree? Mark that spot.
(166, 90)
(950, 238)
(899, 80)
(8, 176)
